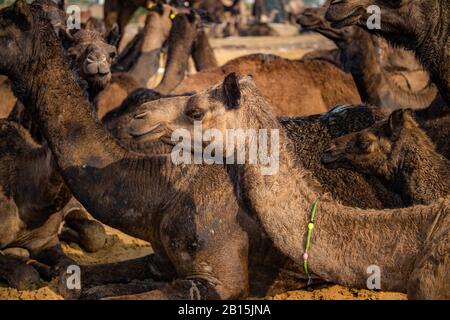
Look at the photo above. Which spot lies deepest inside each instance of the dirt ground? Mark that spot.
(120, 247)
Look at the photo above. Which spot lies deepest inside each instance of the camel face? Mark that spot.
(91, 55)
(372, 151)
(15, 31)
(396, 15)
(216, 108)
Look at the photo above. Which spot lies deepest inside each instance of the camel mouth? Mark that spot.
(339, 19)
(157, 132)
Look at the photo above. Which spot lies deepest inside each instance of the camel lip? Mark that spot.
(137, 132)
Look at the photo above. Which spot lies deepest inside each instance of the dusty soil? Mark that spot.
(120, 247)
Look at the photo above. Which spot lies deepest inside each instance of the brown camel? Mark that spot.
(145, 196)
(182, 35)
(293, 87)
(141, 56)
(409, 246)
(33, 198)
(398, 151)
(360, 56)
(417, 25)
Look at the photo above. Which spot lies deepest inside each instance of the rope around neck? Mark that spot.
(308, 239)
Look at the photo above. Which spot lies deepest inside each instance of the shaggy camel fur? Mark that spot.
(415, 251)
(398, 151)
(361, 56)
(219, 250)
(293, 87)
(417, 25)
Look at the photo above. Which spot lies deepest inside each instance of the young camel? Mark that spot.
(219, 250)
(410, 246)
(417, 25)
(360, 55)
(398, 151)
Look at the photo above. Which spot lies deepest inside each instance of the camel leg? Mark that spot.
(18, 274)
(89, 234)
(116, 289)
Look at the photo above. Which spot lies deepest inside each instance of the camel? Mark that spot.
(181, 38)
(410, 246)
(202, 52)
(145, 196)
(399, 152)
(91, 55)
(141, 57)
(417, 25)
(360, 56)
(284, 83)
(33, 198)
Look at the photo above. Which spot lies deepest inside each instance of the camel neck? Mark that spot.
(202, 52)
(62, 108)
(102, 175)
(147, 63)
(181, 39)
(419, 172)
(346, 241)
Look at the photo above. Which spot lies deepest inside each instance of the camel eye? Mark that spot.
(364, 146)
(195, 114)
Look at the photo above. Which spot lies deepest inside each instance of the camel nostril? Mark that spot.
(336, 2)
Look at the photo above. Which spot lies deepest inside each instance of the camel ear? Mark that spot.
(232, 91)
(66, 38)
(397, 121)
(113, 36)
(22, 10)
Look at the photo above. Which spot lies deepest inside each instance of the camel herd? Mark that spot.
(363, 131)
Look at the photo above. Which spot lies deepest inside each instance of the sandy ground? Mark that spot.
(120, 247)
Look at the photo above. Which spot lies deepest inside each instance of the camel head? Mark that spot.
(91, 55)
(314, 19)
(17, 36)
(400, 19)
(234, 104)
(376, 150)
